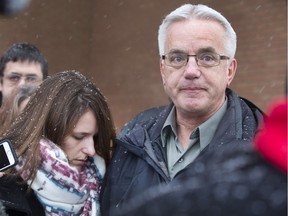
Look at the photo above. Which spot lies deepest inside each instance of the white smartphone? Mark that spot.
(8, 157)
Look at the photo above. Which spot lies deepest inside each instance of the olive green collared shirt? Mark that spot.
(177, 157)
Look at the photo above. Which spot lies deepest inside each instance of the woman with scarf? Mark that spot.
(64, 139)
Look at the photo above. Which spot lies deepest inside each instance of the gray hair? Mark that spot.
(203, 12)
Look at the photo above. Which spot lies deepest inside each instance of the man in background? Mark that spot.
(22, 64)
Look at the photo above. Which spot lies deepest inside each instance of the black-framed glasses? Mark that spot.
(204, 59)
(14, 79)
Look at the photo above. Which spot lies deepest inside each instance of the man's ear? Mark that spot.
(161, 70)
(231, 71)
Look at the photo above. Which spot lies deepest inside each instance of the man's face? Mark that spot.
(197, 91)
(17, 74)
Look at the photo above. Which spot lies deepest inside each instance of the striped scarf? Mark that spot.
(62, 189)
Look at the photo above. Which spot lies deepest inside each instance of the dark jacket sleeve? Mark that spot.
(17, 200)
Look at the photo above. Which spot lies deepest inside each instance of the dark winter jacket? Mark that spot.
(139, 161)
(17, 201)
(235, 182)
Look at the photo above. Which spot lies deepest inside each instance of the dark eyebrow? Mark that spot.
(19, 74)
(31, 75)
(15, 73)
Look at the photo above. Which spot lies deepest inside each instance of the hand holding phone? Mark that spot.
(8, 157)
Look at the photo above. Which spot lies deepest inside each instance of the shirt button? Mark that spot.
(180, 160)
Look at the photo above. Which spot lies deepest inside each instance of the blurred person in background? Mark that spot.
(21, 64)
(13, 7)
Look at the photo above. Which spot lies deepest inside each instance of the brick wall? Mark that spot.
(115, 43)
(262, 50)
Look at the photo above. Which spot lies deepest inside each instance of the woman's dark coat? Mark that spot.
(18, 200)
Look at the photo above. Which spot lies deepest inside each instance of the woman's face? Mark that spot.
(79, 145)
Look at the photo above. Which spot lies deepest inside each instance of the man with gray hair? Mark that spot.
(197, 46)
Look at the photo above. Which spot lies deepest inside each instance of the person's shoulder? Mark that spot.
(146, 118)
(233, 96)
(153, 111)
(149, 115)
(243, 105)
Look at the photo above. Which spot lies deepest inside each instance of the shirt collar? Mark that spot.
(206, 130)
(170, 123)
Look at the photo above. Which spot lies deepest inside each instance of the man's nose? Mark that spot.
(22, 81)
(192, 69)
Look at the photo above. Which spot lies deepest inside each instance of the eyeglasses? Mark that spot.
(14, 79)
(204, 59)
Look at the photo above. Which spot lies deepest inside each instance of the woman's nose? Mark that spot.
(89, 149)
